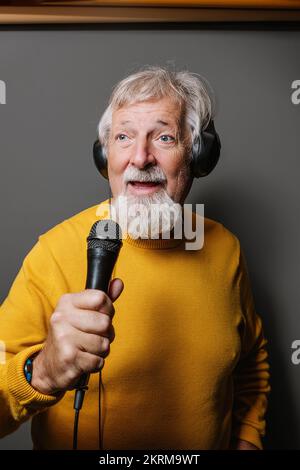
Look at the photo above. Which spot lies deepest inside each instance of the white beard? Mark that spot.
(146, 216)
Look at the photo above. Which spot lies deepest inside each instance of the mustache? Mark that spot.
(152, 175)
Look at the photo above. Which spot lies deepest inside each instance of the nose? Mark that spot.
(142, 157)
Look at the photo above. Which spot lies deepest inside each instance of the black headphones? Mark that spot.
(205, 153)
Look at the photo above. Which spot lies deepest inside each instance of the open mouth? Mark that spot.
(144, 187)
(144, 184)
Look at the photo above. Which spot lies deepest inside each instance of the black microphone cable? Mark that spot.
(100, 443)
(100, 446)
(99, 413)
(104, 244)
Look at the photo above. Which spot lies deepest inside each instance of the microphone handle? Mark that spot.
(100, 267)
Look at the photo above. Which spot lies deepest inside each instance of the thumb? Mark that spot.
(116, 286)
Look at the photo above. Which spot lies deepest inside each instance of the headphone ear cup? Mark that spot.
(100, 159)
(205, 151)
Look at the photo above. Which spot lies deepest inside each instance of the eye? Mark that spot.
(119, 137)
(165, 138)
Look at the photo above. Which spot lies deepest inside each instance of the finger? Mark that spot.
(89, 363)
(89, 321)
(116, 287)
(89, 299)
(93, 344)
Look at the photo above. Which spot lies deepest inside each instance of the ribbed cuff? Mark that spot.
(246, 432)
(18, 386)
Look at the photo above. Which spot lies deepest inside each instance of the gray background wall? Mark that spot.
(58, 82)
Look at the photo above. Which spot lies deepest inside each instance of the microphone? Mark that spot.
(104, 244)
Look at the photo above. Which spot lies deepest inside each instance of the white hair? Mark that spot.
(191, 91)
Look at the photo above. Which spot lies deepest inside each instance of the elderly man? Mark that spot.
(188, 366)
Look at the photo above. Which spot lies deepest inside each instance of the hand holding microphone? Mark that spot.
(79, 339)
(81, 328)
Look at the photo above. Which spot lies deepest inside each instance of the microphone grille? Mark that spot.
(105, 234)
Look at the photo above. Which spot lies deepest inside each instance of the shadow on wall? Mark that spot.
(19, 440)
(251, 217)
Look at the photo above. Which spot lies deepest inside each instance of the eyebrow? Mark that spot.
(159, 121)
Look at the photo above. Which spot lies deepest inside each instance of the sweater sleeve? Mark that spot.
(251, 376)
(24, 323)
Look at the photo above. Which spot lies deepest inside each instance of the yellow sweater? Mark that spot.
(188, 367)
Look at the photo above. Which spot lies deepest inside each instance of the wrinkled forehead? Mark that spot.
(165, 111)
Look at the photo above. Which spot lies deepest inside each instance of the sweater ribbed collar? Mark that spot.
(154, 244)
